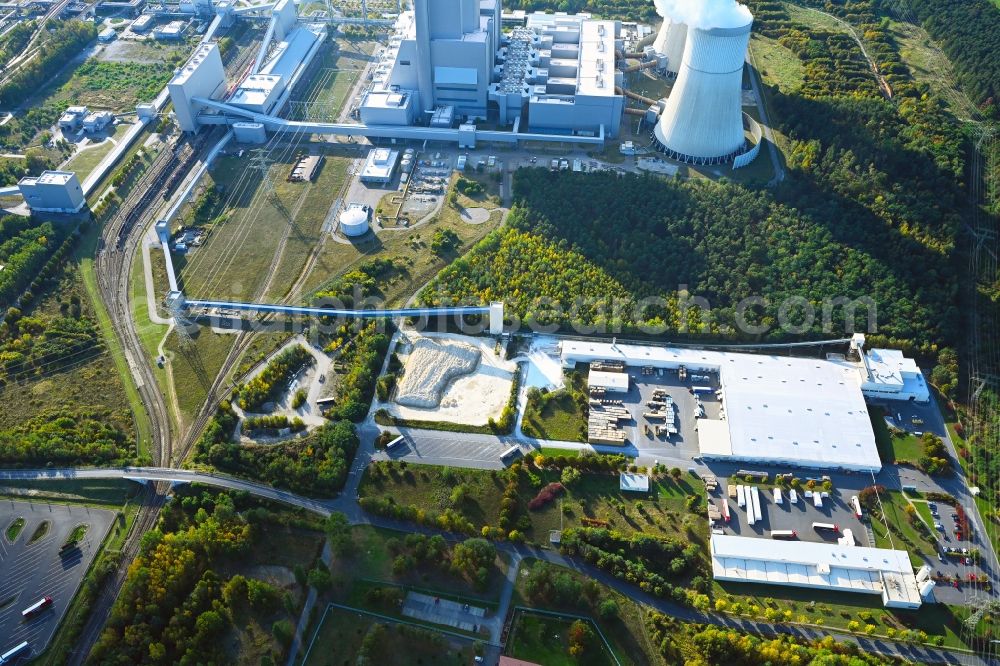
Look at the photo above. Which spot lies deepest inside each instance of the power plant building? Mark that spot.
(448, 61)
(53, 192)
(575, 80)
(380, 167)
(202, 76)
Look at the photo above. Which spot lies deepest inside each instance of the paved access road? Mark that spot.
(144, 474)
(29, 572)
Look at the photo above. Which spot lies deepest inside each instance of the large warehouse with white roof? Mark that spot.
(822, 566)
(775, 409)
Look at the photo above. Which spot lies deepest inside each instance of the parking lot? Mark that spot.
(798, 517)
(641, 387)
(32, 571)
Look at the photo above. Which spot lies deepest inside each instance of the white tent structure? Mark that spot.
(703, 119)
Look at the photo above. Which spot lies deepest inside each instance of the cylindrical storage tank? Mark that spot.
(406, 164)
(354, 221)
(670, 42)
(702, 122)
(410, 152)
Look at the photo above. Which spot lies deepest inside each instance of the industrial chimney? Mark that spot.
(702, 122)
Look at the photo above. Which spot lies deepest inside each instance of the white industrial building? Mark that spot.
(53, 192)
(612, 382)
(202, 76)
(202, 82)
(171, 31)
(96, 122)
(775, 409)
(143, 24)
(887, 374)
(573, 84)
(820, 566)
(72, 118)
(380, 166)
(258, 93)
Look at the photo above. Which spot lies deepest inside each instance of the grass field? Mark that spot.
(813, 19)
(559, 415)
(567, 453)
(91, 492)
(261, 234)
(544, 639)
(40, 532)
(409, 248)
(194, 365)
(777, 65)
(897, 531)
(924, 511)
(343, 635)
(893, 448)
(85, 161)
(334, 76)
(627, 632)
(151, 334)
(14, 529)
(595, 497)
(85, 381)
(114, 86)
(144, 428)
(560, 419)
(837, 609)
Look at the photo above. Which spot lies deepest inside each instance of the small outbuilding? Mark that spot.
(633, 483)
(610, 382)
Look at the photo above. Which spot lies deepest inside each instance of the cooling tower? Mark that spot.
(670, 43)
(702, 122)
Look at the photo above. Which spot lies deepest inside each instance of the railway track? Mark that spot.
(119, 243)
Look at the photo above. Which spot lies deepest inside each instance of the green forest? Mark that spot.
(969, 32)
(625, 10)
(273, 380)
(65, 437)
(609, 239)
(63, 43)
(183, 603)
(315, 465)
(702, 645)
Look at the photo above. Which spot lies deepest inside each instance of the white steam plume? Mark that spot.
(705, 14)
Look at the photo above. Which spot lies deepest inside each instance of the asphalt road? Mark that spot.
(30, 572)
